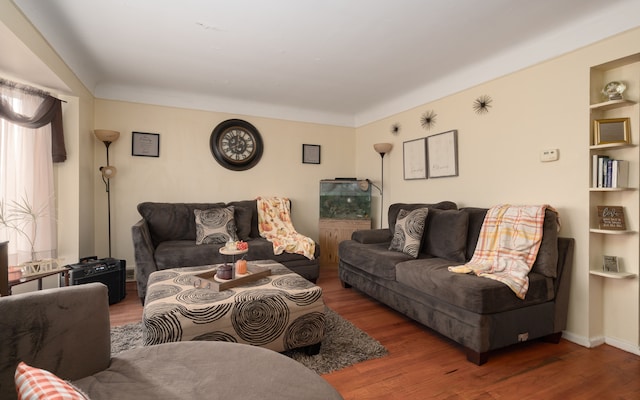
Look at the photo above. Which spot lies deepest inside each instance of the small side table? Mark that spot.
(16, 278)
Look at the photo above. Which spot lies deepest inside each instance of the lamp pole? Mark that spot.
(382, 149)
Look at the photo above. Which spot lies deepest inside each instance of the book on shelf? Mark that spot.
(609, 173)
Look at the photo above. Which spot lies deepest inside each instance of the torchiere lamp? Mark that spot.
(382, 149)
(108, 172)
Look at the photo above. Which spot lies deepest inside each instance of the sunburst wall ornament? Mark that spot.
(395, 128)
(428, 119)
(482, 104)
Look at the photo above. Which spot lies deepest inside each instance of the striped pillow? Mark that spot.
(37, 384)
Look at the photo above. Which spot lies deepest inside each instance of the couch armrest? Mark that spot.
(143, 250)
(63, 330)
(369, 236)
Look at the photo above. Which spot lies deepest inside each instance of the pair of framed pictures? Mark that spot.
(433, 156)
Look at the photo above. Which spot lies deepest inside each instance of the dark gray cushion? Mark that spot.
(394, 209)
(470, 292)
(246, 215)
(446, 234)
(409, 229)
(547, 261)
(375, 259)
(172, 221)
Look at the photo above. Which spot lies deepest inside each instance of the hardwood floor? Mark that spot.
(424, 365)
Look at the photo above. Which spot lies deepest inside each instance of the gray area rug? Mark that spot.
(344, 344)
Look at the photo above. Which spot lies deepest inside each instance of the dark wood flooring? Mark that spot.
(424, 365)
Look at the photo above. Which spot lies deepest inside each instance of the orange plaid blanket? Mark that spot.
(274, 224)
(508, 245)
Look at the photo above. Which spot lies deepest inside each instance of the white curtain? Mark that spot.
(26, 180)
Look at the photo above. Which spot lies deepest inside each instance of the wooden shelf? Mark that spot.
(619, 189)
(611, 104)
(613, 275)
(611, 231)
(610, 146)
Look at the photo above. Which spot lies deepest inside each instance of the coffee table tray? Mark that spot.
(255, 272)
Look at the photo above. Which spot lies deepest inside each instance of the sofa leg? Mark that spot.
(553, 338)
(476, 357)
(345, 285)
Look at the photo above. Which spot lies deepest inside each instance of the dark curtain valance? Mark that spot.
(49, 112)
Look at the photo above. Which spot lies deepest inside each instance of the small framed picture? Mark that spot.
(442, 154)
(414, 154)
(145, 144)
(610, 264)
(610, 131)
(311, 154)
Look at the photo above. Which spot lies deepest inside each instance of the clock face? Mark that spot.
(236, 144)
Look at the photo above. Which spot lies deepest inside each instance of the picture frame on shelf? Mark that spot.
(442, 154)
(612, 131)
(610, 264)
(145, 144)
(414, 157)
(611, 218)
(311, 154)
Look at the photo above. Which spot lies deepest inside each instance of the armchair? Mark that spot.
(67, 332)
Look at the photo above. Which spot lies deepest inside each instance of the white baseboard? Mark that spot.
(600, 340)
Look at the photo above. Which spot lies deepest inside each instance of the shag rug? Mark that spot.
(343, 345)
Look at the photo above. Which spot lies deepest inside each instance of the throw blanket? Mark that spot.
(508, 245)
(274, 224)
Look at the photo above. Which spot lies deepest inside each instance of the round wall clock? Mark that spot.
(236, 144)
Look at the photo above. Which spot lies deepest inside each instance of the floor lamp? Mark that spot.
(382, 149)
(108, 172)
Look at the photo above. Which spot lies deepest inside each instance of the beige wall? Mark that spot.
(187, 172)
(541, 107)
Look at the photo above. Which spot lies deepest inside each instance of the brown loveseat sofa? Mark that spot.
(165, 238)
(66, 331)
(480, 314)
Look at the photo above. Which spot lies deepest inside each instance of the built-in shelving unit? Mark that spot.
(623, 244)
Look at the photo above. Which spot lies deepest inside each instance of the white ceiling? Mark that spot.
(344, 62)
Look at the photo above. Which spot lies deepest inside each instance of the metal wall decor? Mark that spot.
(395, 128)
(482, 104)
(428, 119)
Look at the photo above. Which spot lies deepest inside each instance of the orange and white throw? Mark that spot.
(274, 224)
(508, 245)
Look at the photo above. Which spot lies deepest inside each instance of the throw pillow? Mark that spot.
(408, 231)
(215, 225)
(35, 383)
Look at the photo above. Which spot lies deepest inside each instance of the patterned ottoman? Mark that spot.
(280, 312)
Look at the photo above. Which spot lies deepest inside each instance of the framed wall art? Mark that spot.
(612, 130)
(145, 144)
(442, 154)
(414, 154)
(311, 154)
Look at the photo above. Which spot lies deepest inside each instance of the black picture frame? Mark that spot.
(145, 144)
(311, 154)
